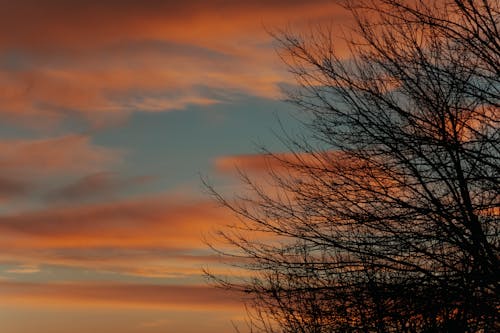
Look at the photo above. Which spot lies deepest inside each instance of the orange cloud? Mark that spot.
(178, 297)
(265, 163)
(87, 23)
(149, 237)
(132, 223)
(103, 60)
(170, 264)
(247, 163)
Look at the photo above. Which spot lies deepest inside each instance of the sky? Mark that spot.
(111, 112)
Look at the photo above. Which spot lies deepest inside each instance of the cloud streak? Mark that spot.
(92, 294)
(102, 60)
(102, 184)
(88, 23)
(64, 154)
(143, 222)
(149, 237)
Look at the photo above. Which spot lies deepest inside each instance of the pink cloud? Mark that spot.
(61, 155)
(28, 167)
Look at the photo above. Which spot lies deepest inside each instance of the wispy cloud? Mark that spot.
(102, 60)
(146, 222)
(104, 184)
(116, 295)
(55, 155)
(24, 269)
(149, 237)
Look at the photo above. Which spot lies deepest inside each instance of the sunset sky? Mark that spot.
(110, 111)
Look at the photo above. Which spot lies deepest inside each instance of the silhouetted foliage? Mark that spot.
(386, 218)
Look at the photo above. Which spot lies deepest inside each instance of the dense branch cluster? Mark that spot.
(387, 217)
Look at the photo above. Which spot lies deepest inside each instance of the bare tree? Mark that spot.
(386, 218)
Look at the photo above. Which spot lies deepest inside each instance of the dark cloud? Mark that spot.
(10, 187)
(58, 22)
(96, 185)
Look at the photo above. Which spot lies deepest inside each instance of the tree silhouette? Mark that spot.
(386, 217)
